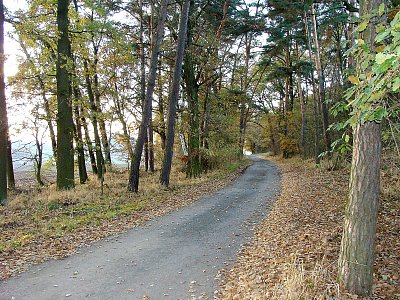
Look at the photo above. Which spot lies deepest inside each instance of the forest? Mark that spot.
(130, 98)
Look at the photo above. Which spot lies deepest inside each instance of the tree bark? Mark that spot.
(150, 135)
(321, 81)
(315, 95)
(88, 143)
(83, 177)
(133, 184)
(3, 116)
(174, 94)
(357, 251)
(93, 116)
(65, 148)
(10, 167)
(192, 90)
(302, 107)
(358, 242)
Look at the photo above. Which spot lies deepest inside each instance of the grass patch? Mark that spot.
(51, 223)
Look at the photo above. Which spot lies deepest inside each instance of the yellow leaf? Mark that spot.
(354, 79)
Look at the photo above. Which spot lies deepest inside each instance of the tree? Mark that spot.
(3, 116)
(65, 132)
(133, 184)
(357, 251)
(173, 96)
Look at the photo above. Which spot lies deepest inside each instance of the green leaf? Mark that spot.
(396, 84)
(346, 138)
(380, 58)
(379, 113)
(362, 26)
(381, 9)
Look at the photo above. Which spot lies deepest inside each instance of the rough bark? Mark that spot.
(174, 94)
(133, 184)
(3, 115)
(358, 242)
(65, 149)
(357, 251)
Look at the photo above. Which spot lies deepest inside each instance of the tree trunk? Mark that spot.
(315, 95)
(357, 251)
(161, 127)
(150, 145)
(99, 113)
(321, 81)
(174, 94)
(38, 159)
(65, 147)
(10, 167)
(94, 113)
(133, 184)
(150, 136)
(88, 143)
(302, 108)
(358, 243)
(3, 116)
(83, 177)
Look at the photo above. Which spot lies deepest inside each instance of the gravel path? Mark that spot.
(176, 256)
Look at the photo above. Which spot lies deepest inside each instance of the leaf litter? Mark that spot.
(295, 249)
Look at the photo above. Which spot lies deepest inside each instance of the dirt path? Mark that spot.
(176, 256)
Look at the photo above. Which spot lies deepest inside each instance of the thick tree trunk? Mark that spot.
(65, 148)
(357, 251)
(133, 184)
(3, 116)
(358, 242)
(174, 94)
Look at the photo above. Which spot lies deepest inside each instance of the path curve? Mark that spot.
(176, 256)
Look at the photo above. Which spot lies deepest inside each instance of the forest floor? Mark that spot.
(295, 250)
(40, 224)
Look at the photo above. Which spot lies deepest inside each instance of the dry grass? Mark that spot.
(295, 250)
(46, 223)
